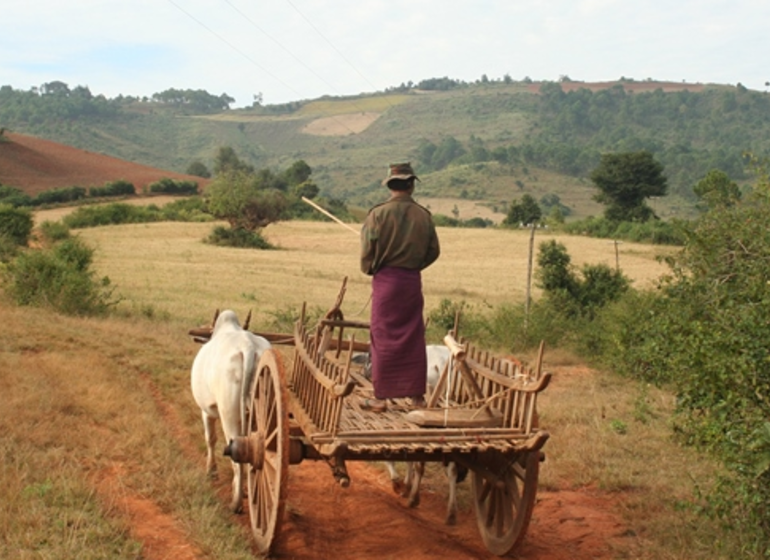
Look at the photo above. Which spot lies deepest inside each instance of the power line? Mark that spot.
(310, 23)
(274, 40)
(233, 47)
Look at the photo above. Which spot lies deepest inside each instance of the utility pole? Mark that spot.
(529, 275)
(617, 256)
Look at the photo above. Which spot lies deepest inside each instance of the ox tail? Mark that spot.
(249, 373)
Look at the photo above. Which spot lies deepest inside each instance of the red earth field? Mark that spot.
(323, 520)
(34, 165)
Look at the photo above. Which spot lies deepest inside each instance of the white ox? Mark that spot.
(438, 356)
(221, 378)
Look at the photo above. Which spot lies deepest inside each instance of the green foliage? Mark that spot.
(651, 231)
(191, 209)
(625, 181)
(52, 232)
(8, 249)
(114, 188)
(107, 214)
(227, 161)
(194, 101)
(198, 169)
(13, 196)
(250, 200)
(716, 189)
(705, 334)
(525, 212)
(15, 224)
(572, 295)
(171, 186)
(241, 200)
(60, 195)
(442, 220)
(59, 277)
(238, 237)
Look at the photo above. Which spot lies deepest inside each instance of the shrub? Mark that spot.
(63, 194)
(239, 237)
(14, 196)
(15, 224)
(192, 209)
(59, 277)
(106, 214)
(52, 232)
(170, 186)
(115, 188)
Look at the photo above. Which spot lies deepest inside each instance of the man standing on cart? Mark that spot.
(398, 240)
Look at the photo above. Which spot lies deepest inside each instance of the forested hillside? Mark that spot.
(488, 141)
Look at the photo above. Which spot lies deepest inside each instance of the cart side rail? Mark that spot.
(317, 383)
(478, 379)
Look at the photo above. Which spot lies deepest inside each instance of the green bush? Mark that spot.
(106, 214)
(651, 231)
(13, 196)
(704, 333)
(170, 186)
(185, 210)
(59, 277)
(60, 195)
(240, 238)
(115, 188)
(191, 209)
(8, 249)
(15, 224)
(54, 231)
(576, 295)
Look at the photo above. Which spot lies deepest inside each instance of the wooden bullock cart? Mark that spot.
(481, 415)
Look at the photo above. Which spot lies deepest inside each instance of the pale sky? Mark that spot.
(290, 50)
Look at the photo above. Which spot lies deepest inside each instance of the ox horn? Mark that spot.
(247, 321)
(214, 320)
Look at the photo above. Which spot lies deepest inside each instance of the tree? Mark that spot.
(574, 294)
(227, 161)
(716, 189)
(525, 212)
(625, 180)
(298, 172)
(198, 169)
(238, 198)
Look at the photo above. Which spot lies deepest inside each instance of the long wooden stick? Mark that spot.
(329, 214)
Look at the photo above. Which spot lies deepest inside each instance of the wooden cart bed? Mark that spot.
(481, 403)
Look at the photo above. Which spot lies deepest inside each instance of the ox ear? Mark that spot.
(247, 321)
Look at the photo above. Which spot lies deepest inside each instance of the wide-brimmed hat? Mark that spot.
(401, 171)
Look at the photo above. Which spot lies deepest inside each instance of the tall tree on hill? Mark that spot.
(526, 211)
(227, 161)
(625, 181)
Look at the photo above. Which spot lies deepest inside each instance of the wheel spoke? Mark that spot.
(504, 504)
(269, 422)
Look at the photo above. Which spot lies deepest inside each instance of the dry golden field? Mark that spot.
(167, 267)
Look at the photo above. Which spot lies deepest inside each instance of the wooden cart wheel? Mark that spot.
(269, 471)
(504, 506)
